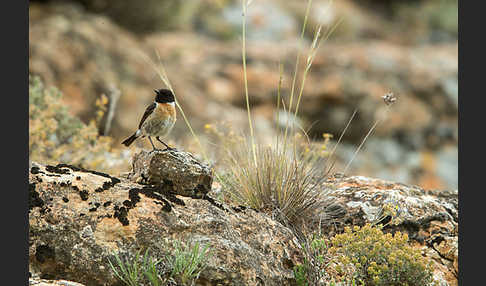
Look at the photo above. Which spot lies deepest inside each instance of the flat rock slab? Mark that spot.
(178, 172)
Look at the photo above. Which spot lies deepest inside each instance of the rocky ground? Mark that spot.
(79, 219)
(88, 48)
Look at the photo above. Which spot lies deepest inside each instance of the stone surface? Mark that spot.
(430, 218)
(45, 282)
(176, 171)
(79, 218)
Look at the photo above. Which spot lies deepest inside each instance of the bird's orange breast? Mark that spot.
(166, 110)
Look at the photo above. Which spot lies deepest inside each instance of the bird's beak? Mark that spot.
(156, 91)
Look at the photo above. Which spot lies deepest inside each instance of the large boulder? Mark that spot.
(79, 219)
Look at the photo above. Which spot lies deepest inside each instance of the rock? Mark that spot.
(447, 165)
(430, 218)
(265, 21)
(44, 282)
(156, 15)
(79, 218)
(176, 170)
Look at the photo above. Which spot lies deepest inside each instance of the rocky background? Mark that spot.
(87, 48)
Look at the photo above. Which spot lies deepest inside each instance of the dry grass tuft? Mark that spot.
(286, 186)
(284, 179)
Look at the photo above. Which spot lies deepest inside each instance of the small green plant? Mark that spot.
(183, 266)
(188, 261)
(374, 258)
(300, 275)
(316, 260)
(132, 272)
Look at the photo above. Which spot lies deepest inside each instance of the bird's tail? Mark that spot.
(130, 140)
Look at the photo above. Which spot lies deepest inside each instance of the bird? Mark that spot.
(158, 119)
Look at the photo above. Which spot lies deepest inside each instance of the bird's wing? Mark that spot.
(148, 111)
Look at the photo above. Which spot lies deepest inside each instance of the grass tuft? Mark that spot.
(287, 187)
(282, 179)
(132, 272)
(180, 267)
(188, 261)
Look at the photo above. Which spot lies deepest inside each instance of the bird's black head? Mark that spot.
(163, 96)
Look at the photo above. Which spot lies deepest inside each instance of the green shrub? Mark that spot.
(50, 124)
(55, 135)
(374, 258)
(312, 271)
(315, 268)
(316, 259)
(300, 275)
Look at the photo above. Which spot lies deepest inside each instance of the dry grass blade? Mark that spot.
(245, 4)
(297, 61)
(278, 179)
(389, 99)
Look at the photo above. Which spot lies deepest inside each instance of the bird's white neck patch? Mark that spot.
(169, 103)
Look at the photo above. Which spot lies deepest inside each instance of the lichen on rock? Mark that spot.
(178, 172)
(75, 239)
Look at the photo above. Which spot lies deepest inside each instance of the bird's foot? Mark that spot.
(169, 149)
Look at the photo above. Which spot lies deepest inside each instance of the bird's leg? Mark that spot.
(153, 146)
(167, 146)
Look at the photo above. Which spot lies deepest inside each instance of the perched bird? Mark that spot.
(158, 119)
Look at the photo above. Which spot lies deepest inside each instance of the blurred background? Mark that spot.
(93, 52)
